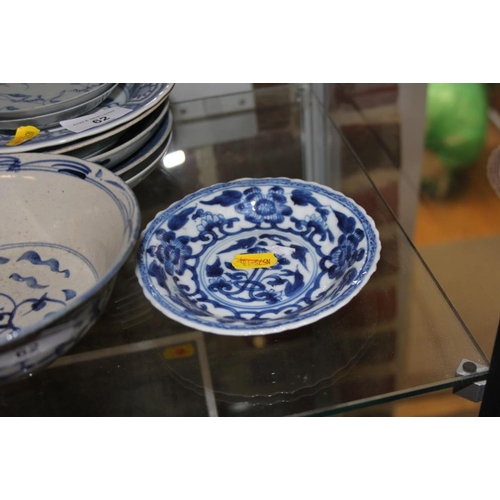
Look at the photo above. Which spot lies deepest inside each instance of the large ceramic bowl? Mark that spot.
(257, 256)
(67, 228)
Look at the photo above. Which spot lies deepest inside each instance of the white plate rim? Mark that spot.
(136, 179)
(118, 149)
(151, 147)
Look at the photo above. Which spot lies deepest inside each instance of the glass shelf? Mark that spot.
(398, 338)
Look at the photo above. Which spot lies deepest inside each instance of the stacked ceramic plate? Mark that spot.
(125, 127)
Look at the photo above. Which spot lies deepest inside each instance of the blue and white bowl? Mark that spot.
(257, 256)
(67, 228)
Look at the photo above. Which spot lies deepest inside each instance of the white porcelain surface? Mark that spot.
(68, 227)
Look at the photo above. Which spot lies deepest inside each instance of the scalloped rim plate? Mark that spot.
(184, 262)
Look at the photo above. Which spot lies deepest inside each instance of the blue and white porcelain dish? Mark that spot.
(137, 97)
(149, 149)
(96, 148)
(135, 138)
(145, 168)
(27, 100)
(87, 145)
(59, 255)
(52, 118)
(323, 246)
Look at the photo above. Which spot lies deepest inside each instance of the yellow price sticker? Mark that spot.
(254, 260)
(23, 134)
(179, 351)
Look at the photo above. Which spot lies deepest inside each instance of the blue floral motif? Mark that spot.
(144, 91)
(210, 224)
(317, 224)
(11, 309)
(346, 253)
(258, 207)
(29, 280)
(219, 285)
(344, 256)
(35, 259)
(172, 252)
(209, 221)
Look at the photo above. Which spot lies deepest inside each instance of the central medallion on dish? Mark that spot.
(261, 282)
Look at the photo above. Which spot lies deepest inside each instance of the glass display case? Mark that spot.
(398, 338)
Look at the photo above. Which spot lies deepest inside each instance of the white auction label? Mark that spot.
(96, 119)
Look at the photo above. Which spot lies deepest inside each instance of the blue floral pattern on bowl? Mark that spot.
(53, 290)
(326, 248)
(43, 285)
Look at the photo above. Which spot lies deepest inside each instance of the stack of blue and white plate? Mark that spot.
(125, 127)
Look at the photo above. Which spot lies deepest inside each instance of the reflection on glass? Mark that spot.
(174, 159)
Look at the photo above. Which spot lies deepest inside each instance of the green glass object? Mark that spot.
(457, 118)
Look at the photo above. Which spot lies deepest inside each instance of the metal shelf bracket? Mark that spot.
(474, 391)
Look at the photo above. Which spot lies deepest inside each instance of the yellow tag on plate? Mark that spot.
(179, 351)
(23, 134)
(254, 260)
